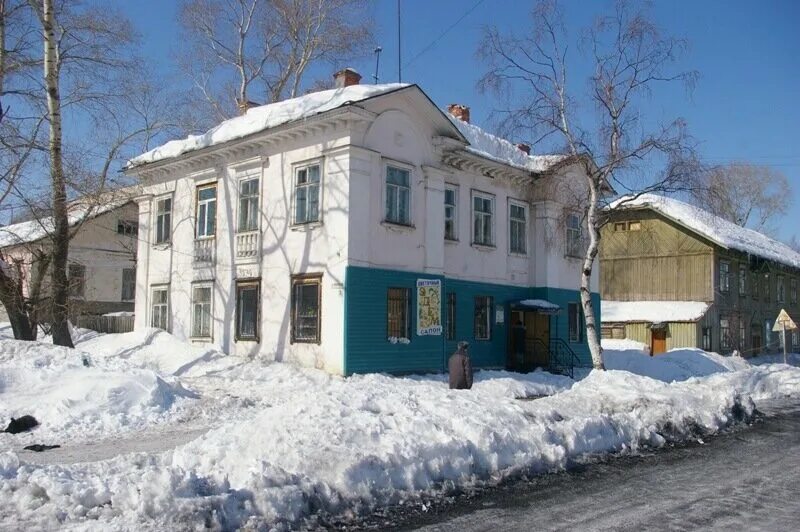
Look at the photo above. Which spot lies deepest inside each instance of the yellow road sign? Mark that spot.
(784, 322)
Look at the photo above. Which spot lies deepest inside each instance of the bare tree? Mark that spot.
(614, 145)
(237, 50)
(746, 194)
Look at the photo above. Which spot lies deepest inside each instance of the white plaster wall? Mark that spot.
(286, 250)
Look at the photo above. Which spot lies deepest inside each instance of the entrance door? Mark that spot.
(659, 341)
(539, 339)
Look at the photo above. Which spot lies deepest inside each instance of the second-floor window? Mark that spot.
(163, 220)
(517, 228)
(781, 289)
(574, 235)
(128, 284)
(793, 291)
(248, 205)
(127, 227)
(766, 287)
(450, 213)
(206, 210)
(742, 280)
(398, 195)
(306, 203)
(482, 219)
(724, 276)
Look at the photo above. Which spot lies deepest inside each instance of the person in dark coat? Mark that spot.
(460, 368)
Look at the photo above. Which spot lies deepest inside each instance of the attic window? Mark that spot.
(621, 226)
(635, 226)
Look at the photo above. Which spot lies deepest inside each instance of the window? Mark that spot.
(159, 311)
(201, 311)
(742, 335)
(128, 284)
(306, 201)
(706, 338)
(781, 289)
(766, 287)
(754, 285)
(635, 226)
(574, 320)
(206, 210)
(398, 301)
(248, 205)
(127, 227)
(483, 317)
(306, 304)
(517, 230)
(482, 212)
(724, 333)
(450, 213)
(620, 226)
(451, 315)
(768, 332)
(742, 280)
(76, 277)
(163, 220)
(398, 195)
(796, 338)
(247, 310)
(574, 237)
(724, 276)
(793, 291)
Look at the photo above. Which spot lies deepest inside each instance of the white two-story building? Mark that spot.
(360, 229)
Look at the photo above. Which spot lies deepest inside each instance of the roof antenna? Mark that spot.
(378, 51)
(399, 49)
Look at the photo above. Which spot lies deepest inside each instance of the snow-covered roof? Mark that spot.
(501, 150)
(718, 230)
(264, 117)
(652, 311)
(33, 230)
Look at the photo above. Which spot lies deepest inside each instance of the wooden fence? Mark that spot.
(106, 324)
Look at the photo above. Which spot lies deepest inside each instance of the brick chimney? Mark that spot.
(525, 148)
(459, 111)
(346, 77)
(245, 106)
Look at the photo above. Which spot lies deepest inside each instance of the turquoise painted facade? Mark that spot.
(366, 348)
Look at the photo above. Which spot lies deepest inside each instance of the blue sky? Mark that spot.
(745, 106)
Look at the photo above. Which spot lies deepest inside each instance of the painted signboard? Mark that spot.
(429, 307)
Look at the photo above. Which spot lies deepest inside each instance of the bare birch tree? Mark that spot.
(238, 50)
(612, 142)
(746, 194)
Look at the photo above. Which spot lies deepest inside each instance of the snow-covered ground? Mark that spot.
(158, 434)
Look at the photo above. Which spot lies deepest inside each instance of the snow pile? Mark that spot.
(264, 117)
(75, 398)
(652, 311)
(674, 365)
(501, 150)
(716, 229)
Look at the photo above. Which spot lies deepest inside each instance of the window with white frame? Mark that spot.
(206, 210)
(724, 276)
(574, 235)
(306, 197)
(163, 220)
(159, 308)
(201, 311)
(398, 195)
(482, 219)
(248, 205)
(483, 317)
(518, 228)
(451, 213)
(128, 284)
(574, 322)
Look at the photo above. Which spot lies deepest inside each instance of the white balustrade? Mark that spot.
(204, 250)
(247, 245)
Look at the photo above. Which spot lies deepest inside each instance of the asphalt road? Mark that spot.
(745, 479)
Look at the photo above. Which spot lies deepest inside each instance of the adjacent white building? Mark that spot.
(360, 229)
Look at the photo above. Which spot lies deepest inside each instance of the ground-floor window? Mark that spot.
(201, 311)
(398, 306)
(574, 320)
(247, 309)
(159, 310)
(706, 338)
(724, 333)
(796, 338)
(742, 335)
(306, 302)
(483, 317)
(451, 315)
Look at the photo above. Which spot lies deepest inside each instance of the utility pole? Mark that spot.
(378, 51)
(399, 54)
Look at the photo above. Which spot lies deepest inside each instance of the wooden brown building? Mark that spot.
(673, 275)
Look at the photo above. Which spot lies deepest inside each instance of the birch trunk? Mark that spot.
(592, 337)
